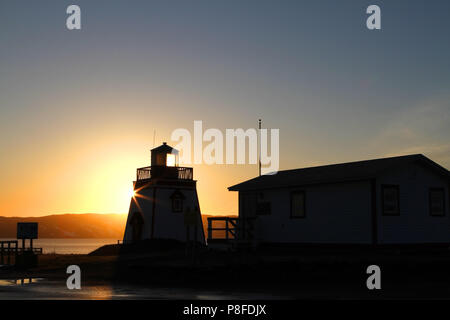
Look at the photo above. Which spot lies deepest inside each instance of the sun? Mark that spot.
(131, 193)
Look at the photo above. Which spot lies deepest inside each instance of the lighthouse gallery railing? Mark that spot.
(181, 173)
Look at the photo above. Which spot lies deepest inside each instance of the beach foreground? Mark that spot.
(168, 272)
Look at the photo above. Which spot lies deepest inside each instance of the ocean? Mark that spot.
(68, 246)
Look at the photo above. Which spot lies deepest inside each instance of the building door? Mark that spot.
(247, 205)
(247, 214)
(137, 223)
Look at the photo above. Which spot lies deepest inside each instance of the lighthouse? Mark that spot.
(165, 201)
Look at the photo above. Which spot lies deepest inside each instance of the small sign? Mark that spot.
(27, 230)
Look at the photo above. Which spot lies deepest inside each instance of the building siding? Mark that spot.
(414, 224)
(335, 213)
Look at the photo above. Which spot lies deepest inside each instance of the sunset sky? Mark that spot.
(78, 109)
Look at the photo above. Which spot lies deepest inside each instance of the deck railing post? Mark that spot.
(209, 229)
(226, 228)
(9, 252)
(16, 252)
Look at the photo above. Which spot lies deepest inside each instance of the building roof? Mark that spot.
(341, 172)
(165, 148)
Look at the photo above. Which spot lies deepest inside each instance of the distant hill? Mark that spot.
(73, 226)
(70, 226)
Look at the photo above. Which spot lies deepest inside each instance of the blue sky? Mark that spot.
(336, 90)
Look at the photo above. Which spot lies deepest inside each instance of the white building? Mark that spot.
(165, 202)
(399, 200)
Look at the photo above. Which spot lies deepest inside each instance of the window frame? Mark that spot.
(430, 210)
(177, 195)
(302, 192)
(397, 188)
(174, 199)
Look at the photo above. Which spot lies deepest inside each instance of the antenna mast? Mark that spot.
(259, 154)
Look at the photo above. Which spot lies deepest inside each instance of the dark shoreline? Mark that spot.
(291, 272)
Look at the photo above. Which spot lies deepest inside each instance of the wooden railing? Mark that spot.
(180, 173)
(231, 229)
(143, 173)
(228, 230)
(8, 249)
(35, 250)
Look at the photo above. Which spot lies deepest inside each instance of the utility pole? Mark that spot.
(259, 155)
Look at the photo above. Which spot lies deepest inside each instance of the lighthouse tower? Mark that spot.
(165, 202)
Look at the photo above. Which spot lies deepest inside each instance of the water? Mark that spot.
(37, 288)
(68, 246)
(16, 282)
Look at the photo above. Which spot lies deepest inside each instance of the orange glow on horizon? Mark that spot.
(92, 169)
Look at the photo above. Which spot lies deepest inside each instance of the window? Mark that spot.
(171, 160)
(298, 204)
(437, 202)
(177, 205)
(390, 200)
(177, 201)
